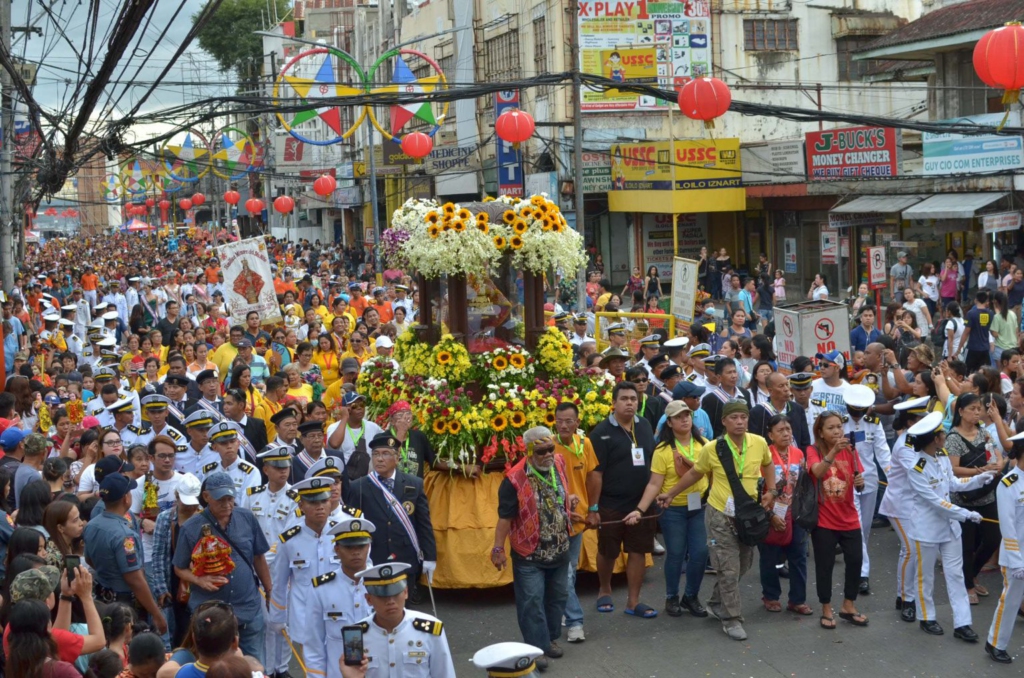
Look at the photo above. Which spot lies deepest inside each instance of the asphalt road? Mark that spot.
(779, 644)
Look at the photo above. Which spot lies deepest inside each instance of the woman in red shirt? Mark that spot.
(789, 464)
(839, 469)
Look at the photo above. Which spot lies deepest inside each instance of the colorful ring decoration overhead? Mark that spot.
(404, 81)
(136, 178)
(187, 159)
(168, 184)
(113, 191)
(323, 85)
(230, 149)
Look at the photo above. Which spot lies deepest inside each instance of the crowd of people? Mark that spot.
(186, 496)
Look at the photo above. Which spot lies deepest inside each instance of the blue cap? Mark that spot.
(116, 486)
(350, 398)
(687, 389)
(12, 437)
(219, 485)
(834, 357)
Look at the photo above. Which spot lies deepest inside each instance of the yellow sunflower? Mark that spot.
(483, 227)
(448, 208)
(545, 224)
(557, 228)
(508, 216)
(542, 208)
(500, 242)
(488, 199)
(519, 227)
(517, 361)
(459, 225)
(464, 213)
(444, 357)
(483, 217)
(432, 217)
(433, 231)
(500, 363)
(454, 427)
(499, 423)
(517, 420)
(549, 419)
(440, 426)
(446, 226)
(526, 213)
(537, 200)
(515, 242)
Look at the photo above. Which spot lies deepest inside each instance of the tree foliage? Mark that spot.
(230, 36)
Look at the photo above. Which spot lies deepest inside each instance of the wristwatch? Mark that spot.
(69, 599)
(592, 509)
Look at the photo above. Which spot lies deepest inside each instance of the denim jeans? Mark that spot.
(796, 554)
(541, 593)
(150, 579)
(573, 609)
(250, 636)
(686, 541)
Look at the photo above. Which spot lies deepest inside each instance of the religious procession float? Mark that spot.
(483, 366)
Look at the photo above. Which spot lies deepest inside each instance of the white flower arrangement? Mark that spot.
(539, 237)
(445, 239)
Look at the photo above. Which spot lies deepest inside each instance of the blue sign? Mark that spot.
(509, 159)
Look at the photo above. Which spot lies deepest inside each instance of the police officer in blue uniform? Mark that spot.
(114, 551)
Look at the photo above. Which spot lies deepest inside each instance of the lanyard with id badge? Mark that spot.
(636, 452)
(681, 458)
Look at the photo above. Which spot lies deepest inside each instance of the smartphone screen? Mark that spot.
(352, 637)
(70, 563)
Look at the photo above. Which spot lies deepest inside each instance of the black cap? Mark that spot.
(384, 439)
(205, 375)
(309, 426)
(177, 379)
(285, 413)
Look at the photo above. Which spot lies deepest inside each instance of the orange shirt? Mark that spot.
(385, 311)
(358, 305)
(211, 274)
(90, 281)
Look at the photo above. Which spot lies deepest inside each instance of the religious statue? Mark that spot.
(211, 555)
(248, 284)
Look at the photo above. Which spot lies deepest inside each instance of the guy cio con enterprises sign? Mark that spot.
(853, 152)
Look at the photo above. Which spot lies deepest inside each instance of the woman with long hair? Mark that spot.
(954, 330)
(31, 650)
(88, 453)
(63, 521)
(759, 382)
(34, 499)
(972, 451)
(1004, 326)
(761, 349)
(652, 283)
(327, 359)
(241, 378)
(988, 280)
(949, 281)
(682, 523)
(789, 464)
(836, 464)
(24, 401)
(110, 445)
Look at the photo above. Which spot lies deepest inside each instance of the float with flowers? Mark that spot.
(482, 367)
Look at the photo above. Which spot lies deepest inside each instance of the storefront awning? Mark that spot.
(874, 204)
(951, 205)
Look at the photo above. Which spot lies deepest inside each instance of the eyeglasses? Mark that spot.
(164, 456)
(540, 452)
(210, 604)
(113, 443)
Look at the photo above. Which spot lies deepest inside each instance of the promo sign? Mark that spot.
(806, 329)
(684, 289)
(657, 242)
(963, 154)
(878, 273)
(852, 153)
(617, 37)
(1003, 221)
(829, 246)
(248, 282)
(649, 166)
(509, 158)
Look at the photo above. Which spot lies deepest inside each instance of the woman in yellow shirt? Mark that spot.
(298, 389)
(326, 358)
(682, 523)
(241, 379)
(318, 307)
(357, 348)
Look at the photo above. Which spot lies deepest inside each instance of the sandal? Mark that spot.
(972, 597)
(826, 621)
(981, 590)
(772, 605)
(605, 604)
(642, 610)
(855, 618)
(802, 608)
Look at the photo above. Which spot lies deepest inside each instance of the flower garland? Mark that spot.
(539, 237)
(554, 353)
(509, 363)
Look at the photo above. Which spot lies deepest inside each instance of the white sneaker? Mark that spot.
(576, 635)
(734, 629)
(659, 550)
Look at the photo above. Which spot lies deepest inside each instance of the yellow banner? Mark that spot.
(633, 65)
(697, 165)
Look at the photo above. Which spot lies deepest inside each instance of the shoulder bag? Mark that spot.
(805, 500)
(776, 538)
(752, 521)
(234, 549)
(976, 457)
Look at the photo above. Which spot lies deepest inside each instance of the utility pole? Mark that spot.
(7, 221)
(577, 151)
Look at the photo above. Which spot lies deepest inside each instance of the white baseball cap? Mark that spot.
(384, 342)
(188, 490)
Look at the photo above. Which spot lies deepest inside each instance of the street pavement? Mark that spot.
(779, 644)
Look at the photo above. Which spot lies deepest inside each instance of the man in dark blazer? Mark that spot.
(254, 430)
(396, 504)
(780, 402)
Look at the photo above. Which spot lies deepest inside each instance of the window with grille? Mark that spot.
(541, 46)
(770, 35)
(850, 70)
(501, 58)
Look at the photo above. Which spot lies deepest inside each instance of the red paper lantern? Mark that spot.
(999, 60)
(185, 204)
(232, 197)
(198, 199)
(705, 99)
(324, 185)
(254, 205)
(417, 145)
(283, 204)
(514, 126)
(165, 204)
(150, 202)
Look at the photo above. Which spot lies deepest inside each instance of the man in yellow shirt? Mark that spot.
(730, 557)
(271, 403)
(580, 462)
(349, 374)
(228, 351)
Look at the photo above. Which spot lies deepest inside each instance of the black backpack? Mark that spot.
(752, 521)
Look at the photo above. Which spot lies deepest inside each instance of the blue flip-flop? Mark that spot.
(642, 610)
(605, 604)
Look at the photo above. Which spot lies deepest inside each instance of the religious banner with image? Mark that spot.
(248, 282)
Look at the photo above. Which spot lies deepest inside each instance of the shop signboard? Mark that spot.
(809, 328)
(789, 255)
(949, 153)
(657, 240)
(597, 172)
(829, 246)
(698, 164)
(508, 158)
(782, 162)
(635, 42)
(852, 153)
(684, 289)
(1003, 221)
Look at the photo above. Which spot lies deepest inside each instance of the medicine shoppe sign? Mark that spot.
(852, 153)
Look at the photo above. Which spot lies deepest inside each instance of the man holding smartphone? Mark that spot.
(338, 599)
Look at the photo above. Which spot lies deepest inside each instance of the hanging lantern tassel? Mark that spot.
(996, 58)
